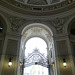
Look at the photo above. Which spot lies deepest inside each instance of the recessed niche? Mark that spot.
(37, 8)
(72, 31)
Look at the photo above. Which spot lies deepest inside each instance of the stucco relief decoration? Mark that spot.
(40, 31)
(16, 23)
(55, 6)
(36, 31)
(57, 23)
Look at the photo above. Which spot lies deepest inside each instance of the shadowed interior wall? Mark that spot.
(64, 70)
(61, 48)
(73, 51)
(11, 52)
(62, 53)
(0, 49)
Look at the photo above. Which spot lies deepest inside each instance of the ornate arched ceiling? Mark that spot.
(39, 2)
(36, 30)
(38, 10)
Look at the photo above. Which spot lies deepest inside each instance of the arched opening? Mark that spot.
(3, 30)
(71, 27)
(41, 33)
(35, 61)
(71, 32)
(3, 26)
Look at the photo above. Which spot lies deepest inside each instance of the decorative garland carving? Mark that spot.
(16, 23)
(57, 23)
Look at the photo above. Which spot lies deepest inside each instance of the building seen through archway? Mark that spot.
(35, 53)
(35, 61)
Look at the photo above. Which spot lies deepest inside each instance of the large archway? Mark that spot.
(71, 33)
(35, 61)
(43, 32)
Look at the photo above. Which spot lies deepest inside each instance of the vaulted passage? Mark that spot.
(37, 50)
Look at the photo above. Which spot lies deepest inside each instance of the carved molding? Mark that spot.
(58, 23)
(36, 30)
(44, 8)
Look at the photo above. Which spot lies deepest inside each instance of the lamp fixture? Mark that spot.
(64, 63)
(10, 62)
(1, 29)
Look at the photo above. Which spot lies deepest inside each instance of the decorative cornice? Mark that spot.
(33, 10)
(44, 8)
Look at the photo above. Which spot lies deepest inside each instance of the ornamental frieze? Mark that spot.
(57, 23)
(42, 8)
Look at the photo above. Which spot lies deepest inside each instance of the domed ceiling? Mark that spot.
(39, 2)
(38, 7)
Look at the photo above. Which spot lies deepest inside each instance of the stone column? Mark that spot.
(62, 52)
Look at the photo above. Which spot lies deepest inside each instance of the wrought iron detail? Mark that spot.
(35, 58)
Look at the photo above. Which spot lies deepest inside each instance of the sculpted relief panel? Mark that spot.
(57, 23)
(44, 8)
(17, 23)
(37, 31)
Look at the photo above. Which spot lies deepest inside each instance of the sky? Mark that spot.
(34, 43)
